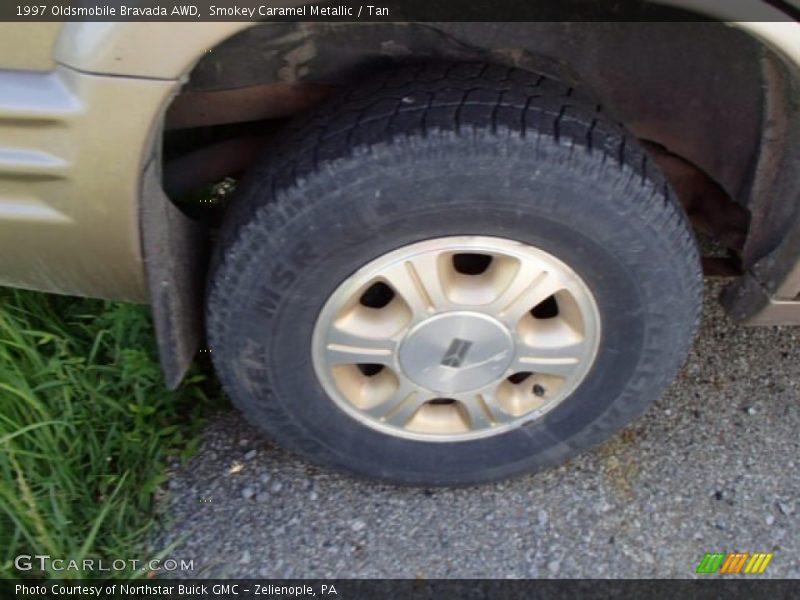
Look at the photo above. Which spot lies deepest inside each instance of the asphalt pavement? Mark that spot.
(712, 467)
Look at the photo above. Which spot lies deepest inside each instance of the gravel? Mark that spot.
(712, 467)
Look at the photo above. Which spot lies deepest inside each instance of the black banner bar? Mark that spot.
(351, 589)
(392, 10)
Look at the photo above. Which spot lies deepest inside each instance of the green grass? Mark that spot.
(87, 430)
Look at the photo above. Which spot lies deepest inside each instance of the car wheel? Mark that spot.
(450, 274)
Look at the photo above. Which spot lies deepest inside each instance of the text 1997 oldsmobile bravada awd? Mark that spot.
(455, 252)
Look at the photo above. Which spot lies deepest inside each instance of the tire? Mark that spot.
(446, 151)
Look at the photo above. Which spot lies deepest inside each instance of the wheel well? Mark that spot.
(703, 125)
(241, 90)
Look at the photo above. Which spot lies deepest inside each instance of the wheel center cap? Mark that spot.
(456, 352)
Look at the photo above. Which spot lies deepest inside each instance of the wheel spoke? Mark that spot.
(347, 348)
(483, 410)
(561, 361)
(418, 282)
(530, 286)
(398, 409)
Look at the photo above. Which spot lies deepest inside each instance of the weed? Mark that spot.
(87, 430)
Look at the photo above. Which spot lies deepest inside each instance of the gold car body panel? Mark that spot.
(28, 46)
(74, 143)
(71, 152)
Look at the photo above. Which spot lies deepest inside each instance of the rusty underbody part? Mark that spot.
(711, 211)
(236, 126)
(252, 103)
